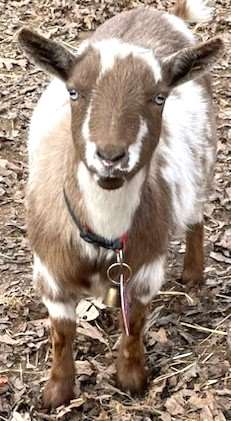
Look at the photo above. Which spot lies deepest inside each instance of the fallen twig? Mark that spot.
(204, 329)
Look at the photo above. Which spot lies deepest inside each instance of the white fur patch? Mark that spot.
(53, 105)
(179, 25)
(88, 250)
(110, 212)
(59, 310)
(186, 120)
(113, 48)
(149, 276)
(40, 269)
(199, 11)
(134, 149)
(83, 46)
(85, 126)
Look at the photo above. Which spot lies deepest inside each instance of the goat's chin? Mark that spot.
(110, 183)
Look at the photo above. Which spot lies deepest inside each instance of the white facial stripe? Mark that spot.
(149, 276)
(111, 49)
(59, 310)
(40, 269)
(85, 126)
(135, 149)
(91, 158)
(90, 147)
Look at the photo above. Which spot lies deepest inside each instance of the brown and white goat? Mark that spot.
(127, 128)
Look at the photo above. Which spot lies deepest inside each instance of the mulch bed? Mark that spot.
(188, 343)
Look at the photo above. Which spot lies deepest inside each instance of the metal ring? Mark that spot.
(119, 265)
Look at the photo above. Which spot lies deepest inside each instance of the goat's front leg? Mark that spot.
(60, 387)
(131, 374)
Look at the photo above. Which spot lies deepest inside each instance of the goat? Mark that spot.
(121, 151)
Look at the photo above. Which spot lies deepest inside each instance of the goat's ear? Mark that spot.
(49, 55)
(190, 63)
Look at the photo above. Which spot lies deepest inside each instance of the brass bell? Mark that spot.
(112, 297)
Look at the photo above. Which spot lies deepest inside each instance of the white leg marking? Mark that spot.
(50, 281)
(149, 277)
(59, 310)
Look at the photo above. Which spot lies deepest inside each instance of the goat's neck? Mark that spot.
(109, 212)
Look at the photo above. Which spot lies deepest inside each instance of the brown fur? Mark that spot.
(180, 9)
(60, 388)
(194, 255)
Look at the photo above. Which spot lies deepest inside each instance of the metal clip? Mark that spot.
(124, 269)
(118, 291)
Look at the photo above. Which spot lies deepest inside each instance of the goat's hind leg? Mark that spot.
(60, 387)
(194, 255)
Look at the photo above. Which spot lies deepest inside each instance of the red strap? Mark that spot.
(124, 240)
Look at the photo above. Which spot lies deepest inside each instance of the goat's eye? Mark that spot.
(74, 95)
(159, 99)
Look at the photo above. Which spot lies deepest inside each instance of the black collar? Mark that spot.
(87, 235)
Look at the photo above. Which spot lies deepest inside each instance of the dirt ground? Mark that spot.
(188, 344)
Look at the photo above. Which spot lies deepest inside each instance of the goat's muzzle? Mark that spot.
(112, 156)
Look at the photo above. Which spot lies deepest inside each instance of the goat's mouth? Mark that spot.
(110, 183)
(108, 179)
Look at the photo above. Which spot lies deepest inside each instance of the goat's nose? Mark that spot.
(111, 154)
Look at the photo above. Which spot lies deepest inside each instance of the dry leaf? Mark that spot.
(160, 336)
(166, 417)
(86, 310)
(8, 63)
(206, 414)
(225, 241)
(16, 416)
(175, 404)
(83, 367)
(75, 403)
(87, 329)
(6, 339)
(219, 257)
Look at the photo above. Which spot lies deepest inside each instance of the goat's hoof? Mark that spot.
(192, 277)
(57, 393)
(132, 377)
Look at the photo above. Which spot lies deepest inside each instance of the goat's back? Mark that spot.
(148, 28)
